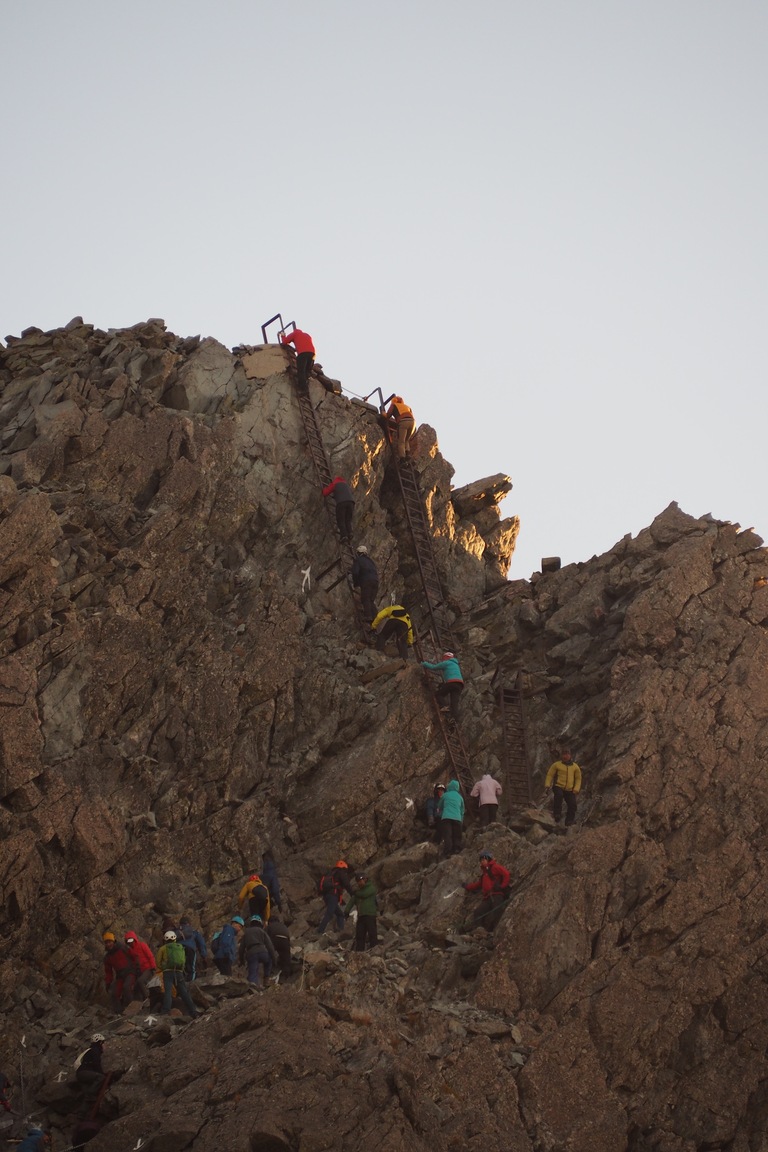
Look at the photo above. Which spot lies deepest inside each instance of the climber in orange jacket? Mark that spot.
(402, 424)
(305, 355)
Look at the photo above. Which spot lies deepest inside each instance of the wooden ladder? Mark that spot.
(508, 690)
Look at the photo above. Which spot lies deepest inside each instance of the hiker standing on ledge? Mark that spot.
(564, 778)
(305, 355)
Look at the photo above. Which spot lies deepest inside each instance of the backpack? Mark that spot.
(186, 937)
(222, 941)
(327, 883)
(176, 954)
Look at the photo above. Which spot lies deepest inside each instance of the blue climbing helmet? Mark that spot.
(238, 920)
(256, 919)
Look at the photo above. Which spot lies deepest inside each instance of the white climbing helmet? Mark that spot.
(169, 937)
(97, 1038)
(362, 548)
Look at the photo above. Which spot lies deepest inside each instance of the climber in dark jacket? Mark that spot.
(333, 885)
(364, 899)
(432, 803)
(256, 949)
(224, 945)
(5, 1092)
(90, 1073)
(194, 946)
(270, 877)
(365, 576)
(279, 935)
(345, 505)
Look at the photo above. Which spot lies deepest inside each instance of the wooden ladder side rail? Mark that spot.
(413, 502)
(525, 746)
(515, 759)
(323, 470)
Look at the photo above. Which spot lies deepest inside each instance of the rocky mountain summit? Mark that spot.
(184, 683)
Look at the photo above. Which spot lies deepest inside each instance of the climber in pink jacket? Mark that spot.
(487, 791)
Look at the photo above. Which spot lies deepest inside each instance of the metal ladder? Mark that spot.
(323, 470)
(515, 759)
(413, 502)
(440, 631)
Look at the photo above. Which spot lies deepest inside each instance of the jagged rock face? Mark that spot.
(175, 699)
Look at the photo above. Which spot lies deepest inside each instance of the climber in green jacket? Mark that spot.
(364, 899)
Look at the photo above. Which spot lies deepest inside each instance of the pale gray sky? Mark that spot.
(543, 222)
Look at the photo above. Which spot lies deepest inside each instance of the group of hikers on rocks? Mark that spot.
(257, 938)
(333, 887)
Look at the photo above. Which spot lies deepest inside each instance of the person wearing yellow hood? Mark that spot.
(254, 898)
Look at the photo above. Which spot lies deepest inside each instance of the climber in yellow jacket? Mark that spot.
(564, 778)
(254, 896)
(397, 623)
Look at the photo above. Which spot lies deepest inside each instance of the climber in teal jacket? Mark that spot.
(450, 812)
(452, 683)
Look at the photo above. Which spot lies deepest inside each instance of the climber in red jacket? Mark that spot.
(305, 355)
(144, 960)
(120, 971)
(494, 884)
(345, 505)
